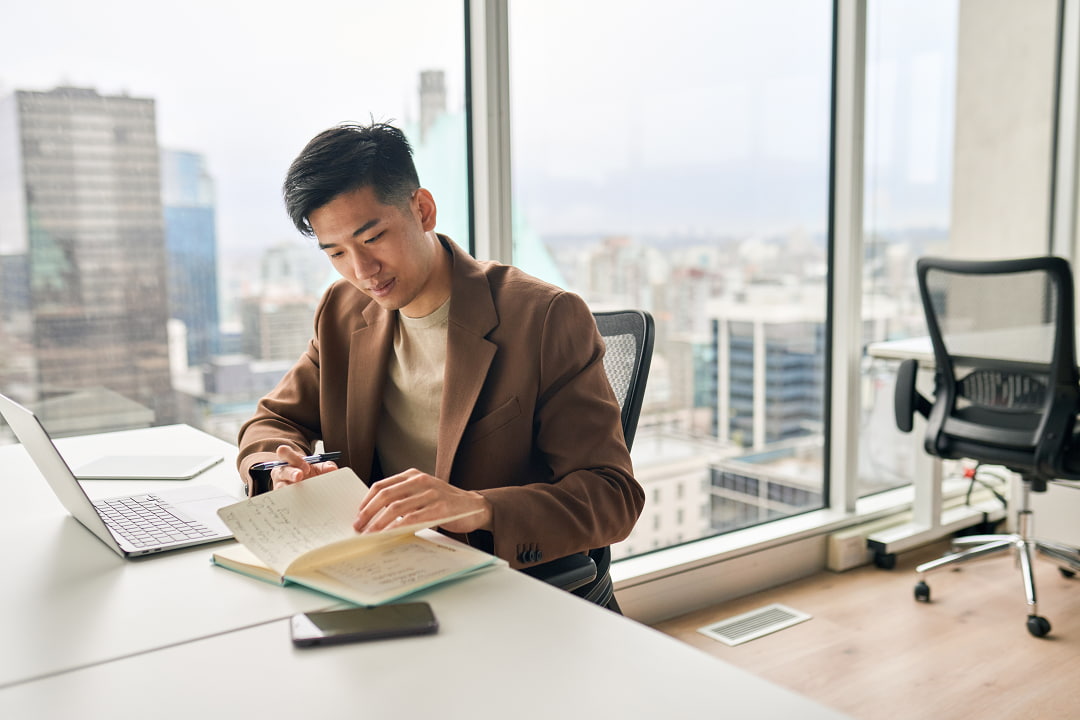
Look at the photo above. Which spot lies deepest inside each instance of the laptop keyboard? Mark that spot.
(146, 521)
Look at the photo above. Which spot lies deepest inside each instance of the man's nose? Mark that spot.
(364, 265)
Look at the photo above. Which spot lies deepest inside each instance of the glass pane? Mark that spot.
(674, 157)
(910, 101)
(148, 271)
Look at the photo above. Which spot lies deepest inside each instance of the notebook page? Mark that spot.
(410, 563)
(358, 544)
(397, 569)
(280, 526)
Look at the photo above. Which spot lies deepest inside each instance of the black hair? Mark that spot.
(345, 158)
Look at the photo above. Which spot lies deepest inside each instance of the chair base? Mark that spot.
(1024, 547)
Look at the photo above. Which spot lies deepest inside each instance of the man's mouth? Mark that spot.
(382, 289)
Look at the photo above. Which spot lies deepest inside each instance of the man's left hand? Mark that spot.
(413, 496)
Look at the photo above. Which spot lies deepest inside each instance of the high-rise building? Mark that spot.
(770, 355)
(432, 99)
(277, 320)
(187, 194)
(277, 328)
(82, 232)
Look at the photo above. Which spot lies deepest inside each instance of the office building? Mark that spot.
(17, 370)
(277, 315)
(754, 488)
(432, 99)
(770, 358)
(276, 328)
(674, 471)
(187, 195)
(81, 209)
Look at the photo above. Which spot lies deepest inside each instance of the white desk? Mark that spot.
(70, 601)
(87, 634)
(1022, 344)
(918, 348)
(507, 647)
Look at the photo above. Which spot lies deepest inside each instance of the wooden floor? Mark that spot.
(873, 652)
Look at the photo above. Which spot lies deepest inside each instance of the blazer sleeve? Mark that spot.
(592, 498)
(288, 415)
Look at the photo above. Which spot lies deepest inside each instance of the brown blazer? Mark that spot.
(528, 418)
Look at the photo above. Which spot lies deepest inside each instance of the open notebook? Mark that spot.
(303, 534)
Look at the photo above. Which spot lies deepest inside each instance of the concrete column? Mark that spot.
(1005, 78)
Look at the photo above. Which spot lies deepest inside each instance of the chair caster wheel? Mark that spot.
(885, 561)
(1038, 625)
(922, 592)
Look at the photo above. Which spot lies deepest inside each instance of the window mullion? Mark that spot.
(489, 104)
(847, 253)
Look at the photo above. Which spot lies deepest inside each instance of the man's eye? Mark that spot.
(372, 239)
(336, 255)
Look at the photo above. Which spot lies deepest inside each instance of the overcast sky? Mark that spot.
(244, 83)
(601, 90)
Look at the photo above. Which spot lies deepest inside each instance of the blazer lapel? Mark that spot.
(468, 353)
(369, 353)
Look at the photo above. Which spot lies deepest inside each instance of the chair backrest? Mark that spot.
(1006, 382)
(628, 335)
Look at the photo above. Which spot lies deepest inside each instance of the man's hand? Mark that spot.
(412, 496)
(297, 469)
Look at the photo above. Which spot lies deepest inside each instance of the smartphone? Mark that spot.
(364, 623)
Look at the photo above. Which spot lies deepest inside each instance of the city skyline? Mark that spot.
(577, 150)
(111, 135)
(248, 101)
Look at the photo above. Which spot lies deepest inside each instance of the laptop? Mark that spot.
(132, 525)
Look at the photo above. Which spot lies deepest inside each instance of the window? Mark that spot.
(691, 181)
(910, 99)
(148, 271)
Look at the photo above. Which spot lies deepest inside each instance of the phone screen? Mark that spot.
(365, 623)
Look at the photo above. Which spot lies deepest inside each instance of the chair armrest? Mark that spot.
(568, 573)
(906, 399)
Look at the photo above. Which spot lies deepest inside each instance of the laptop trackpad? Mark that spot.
(200, 503)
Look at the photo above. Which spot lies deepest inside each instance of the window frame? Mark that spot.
(672, 581)
(648, 576)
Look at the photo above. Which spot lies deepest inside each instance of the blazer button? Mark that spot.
(530, 556)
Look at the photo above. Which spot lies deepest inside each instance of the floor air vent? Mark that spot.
(754, 624)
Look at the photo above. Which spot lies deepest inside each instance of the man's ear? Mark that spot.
(424, 204)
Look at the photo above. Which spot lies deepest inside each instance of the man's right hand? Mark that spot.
(298, 469)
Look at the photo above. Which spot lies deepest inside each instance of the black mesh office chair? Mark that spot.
(628, 336)
(1005, 391)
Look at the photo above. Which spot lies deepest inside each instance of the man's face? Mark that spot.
(386, 251)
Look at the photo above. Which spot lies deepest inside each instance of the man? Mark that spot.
(449, 385)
